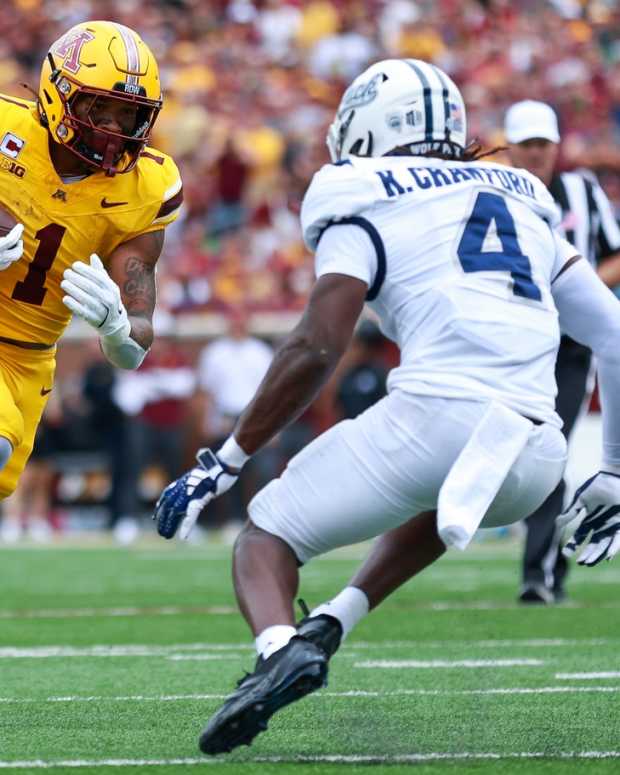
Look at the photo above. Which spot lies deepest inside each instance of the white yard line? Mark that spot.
(353, 693)
(86, 613)
(319, 759)
(203, 657)
(447, 663)
(224, 610)
(351, 646)
(491, 643)
(64, 652)
(200, 651)
(588, 676)
(464, 692)
(494, 605)
(121, 698)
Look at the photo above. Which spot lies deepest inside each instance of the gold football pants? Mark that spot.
(26, 378)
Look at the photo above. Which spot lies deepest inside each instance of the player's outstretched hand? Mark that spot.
(183, 500)
(597, 502)
(94, 296)
(11, 246)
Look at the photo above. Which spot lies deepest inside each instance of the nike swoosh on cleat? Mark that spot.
(45, 391)
(105, 203)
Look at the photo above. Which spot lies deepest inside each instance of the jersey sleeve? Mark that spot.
(337, 191)
(590, 313)
(168, 188)
(346, 249)
(564, 252)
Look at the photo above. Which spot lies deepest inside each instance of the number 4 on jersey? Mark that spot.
(490, 207)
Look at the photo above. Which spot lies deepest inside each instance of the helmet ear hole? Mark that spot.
(356, 147)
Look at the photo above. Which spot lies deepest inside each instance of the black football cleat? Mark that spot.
(290, 673)
(324, 631)
(536, 594)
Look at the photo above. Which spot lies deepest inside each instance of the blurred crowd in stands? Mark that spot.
(250, 87)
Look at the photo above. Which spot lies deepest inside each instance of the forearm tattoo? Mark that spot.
(136, 279)
(138, 291)
(139, 287)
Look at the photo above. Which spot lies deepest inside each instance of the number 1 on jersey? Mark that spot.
(32, 288)
(490, 207)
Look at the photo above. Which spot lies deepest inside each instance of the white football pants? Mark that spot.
(366, 476)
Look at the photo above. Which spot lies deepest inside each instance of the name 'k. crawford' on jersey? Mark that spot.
(459, 259)
(66, 222)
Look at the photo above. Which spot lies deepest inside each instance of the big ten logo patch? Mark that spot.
(12, 167)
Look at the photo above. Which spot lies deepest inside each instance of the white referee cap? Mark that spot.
(529, 119)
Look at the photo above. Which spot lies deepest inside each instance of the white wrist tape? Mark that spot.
(231, 454)
(590, 313)
(121, 350)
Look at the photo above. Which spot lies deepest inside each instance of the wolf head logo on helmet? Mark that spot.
(399, 103)
(91, 63)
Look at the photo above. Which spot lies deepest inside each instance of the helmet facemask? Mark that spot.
(336, 135)
(102, 148)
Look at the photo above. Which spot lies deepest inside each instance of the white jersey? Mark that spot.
(458, 258)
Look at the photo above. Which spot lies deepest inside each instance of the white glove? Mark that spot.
(94, 296)
(597, 502)
(11, 246)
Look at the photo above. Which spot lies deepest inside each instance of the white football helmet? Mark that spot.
(398, 102)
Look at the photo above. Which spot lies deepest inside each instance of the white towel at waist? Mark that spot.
(478, 473)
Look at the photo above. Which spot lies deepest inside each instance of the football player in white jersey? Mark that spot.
(459, 259)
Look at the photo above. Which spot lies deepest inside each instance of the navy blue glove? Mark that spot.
(597, 502)
(183, 500)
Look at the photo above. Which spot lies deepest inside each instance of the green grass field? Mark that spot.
(112, 660)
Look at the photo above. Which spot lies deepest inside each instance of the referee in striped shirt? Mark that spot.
(588, 223)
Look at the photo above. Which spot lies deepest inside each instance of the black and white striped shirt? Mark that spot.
(588, 220)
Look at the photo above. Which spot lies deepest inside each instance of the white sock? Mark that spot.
(349, 607)
(273, 638)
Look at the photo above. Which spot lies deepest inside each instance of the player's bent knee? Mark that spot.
(249, 530)
(251, 533)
